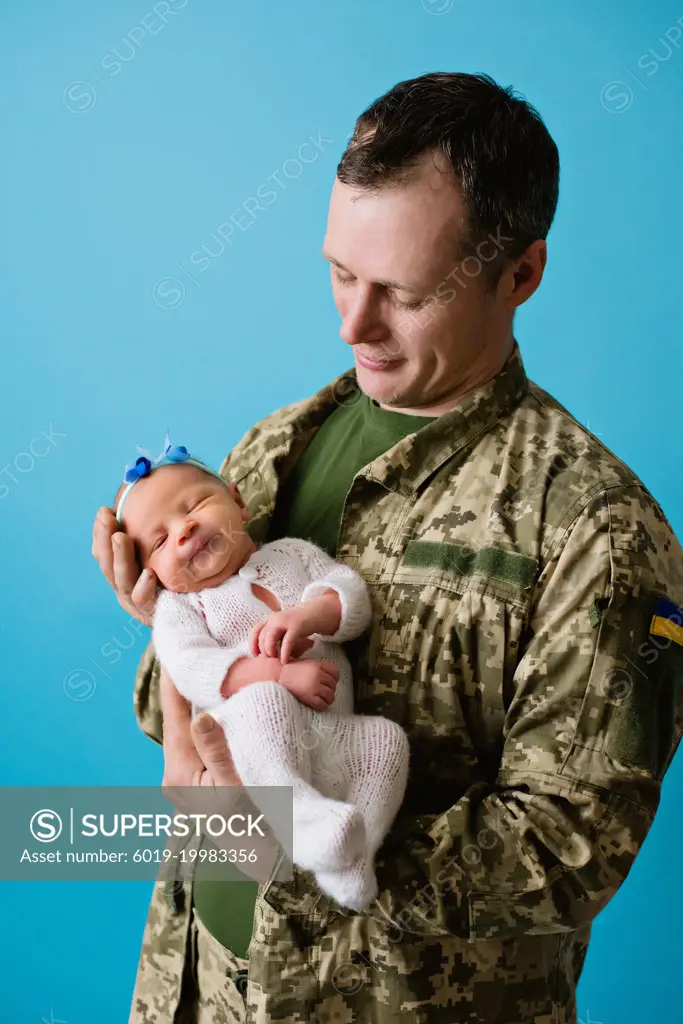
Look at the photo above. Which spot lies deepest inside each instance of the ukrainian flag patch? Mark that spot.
(668, 621)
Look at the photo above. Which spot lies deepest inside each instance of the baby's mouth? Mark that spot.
(204, 553)
(198, 549)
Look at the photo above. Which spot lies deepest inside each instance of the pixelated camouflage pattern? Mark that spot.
(514, 564)
(165, 944)
(221, 979)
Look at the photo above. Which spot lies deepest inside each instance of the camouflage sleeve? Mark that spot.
(595, 718)
(146, 697)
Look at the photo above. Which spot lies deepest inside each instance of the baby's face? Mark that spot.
(187, 527)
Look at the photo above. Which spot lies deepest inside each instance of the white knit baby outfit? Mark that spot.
(348, 772)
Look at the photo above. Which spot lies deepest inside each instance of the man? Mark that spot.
(527, 593)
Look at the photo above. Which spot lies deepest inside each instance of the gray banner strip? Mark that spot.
(128, 833)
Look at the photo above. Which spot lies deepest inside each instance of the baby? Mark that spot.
(284, 607)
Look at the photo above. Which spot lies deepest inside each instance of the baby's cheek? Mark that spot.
(171, 576)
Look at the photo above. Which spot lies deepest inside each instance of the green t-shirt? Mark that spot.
(309, 505)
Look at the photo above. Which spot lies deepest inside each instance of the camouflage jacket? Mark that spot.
(528, 635)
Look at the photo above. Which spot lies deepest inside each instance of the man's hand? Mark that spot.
(313, 682)
(196, 754)
(277, 635)
(219, 771)
(213, 753)
(182, 767)
(115, 553)
(182, 764)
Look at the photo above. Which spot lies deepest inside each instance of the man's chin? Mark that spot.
(383, 386)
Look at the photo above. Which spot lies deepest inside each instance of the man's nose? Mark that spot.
(361, 320)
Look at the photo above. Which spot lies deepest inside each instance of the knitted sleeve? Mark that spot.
(195, 661)
(324, 573)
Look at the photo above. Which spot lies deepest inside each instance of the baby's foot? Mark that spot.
(328, 834)
(354, 887)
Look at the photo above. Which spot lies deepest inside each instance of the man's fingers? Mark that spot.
(209, 740)
(144, 595)
(104, 527)
(126, 568)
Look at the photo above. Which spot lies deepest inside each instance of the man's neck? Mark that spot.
(452, 400)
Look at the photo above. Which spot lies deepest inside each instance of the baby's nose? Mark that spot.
(186, 531)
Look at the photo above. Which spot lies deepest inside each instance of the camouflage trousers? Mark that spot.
(220, 979)
(314, 966)
(215, 981)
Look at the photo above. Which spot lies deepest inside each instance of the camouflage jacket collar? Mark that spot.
(405, 466)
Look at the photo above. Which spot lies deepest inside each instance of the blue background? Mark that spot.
(113, 174)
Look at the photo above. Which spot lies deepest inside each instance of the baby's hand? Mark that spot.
(280, 635)
(313, 682)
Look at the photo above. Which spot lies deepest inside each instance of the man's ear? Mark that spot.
(525, 274)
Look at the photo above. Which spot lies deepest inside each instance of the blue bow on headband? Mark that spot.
(146, 462)
(144, 465)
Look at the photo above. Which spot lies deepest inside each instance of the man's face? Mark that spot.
(188, 527)
(421, 322)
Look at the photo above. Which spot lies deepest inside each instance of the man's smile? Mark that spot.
(376, 362)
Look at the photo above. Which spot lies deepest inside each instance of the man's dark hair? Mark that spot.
(501, 153)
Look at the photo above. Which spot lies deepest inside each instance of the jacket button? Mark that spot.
(240, 978)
